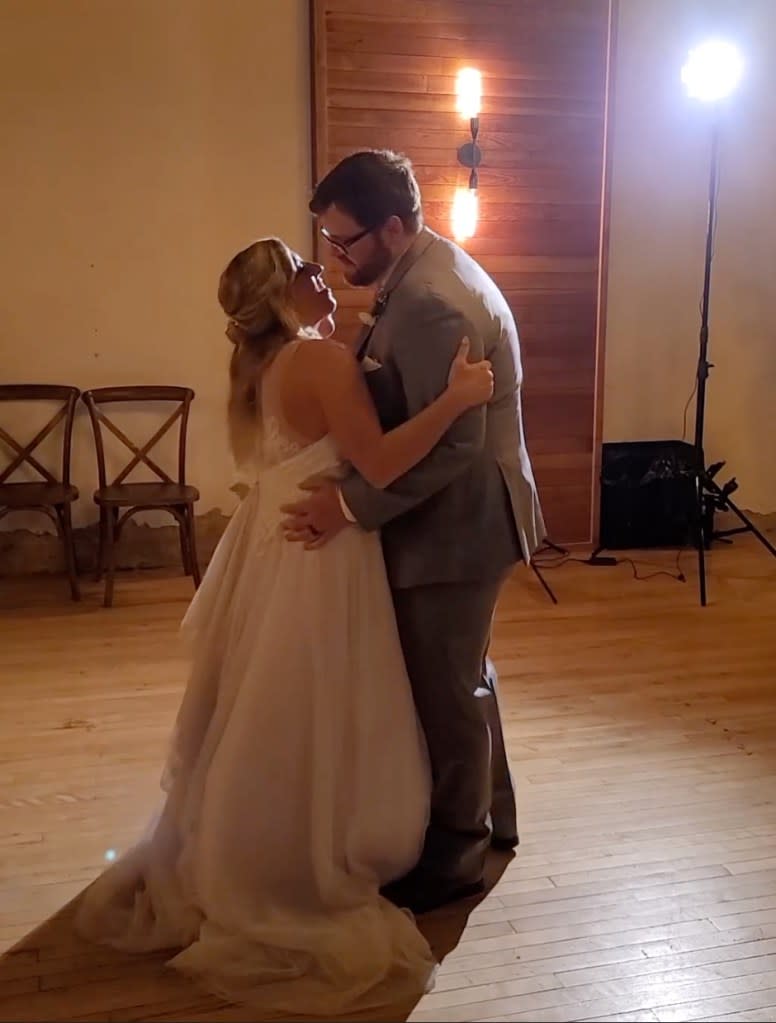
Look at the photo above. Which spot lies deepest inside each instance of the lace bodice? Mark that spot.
(275, 444)
(283, 460)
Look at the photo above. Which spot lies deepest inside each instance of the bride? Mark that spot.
(297, 782)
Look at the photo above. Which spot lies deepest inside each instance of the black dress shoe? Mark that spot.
(503, 843)
(423, 899)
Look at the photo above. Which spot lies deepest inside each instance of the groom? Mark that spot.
(455, 525)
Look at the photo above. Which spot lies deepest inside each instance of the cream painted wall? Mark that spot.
(143, 143)
(659, 193)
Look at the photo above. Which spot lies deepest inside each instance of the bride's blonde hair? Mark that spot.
(254, 293)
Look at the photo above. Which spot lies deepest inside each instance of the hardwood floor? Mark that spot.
(642, 729)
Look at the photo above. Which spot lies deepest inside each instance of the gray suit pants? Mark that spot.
(445, 632)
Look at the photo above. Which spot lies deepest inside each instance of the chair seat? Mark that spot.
(36, 495)
(160, 495)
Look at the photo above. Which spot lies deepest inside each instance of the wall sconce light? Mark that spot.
(468, 88)
(464, 215)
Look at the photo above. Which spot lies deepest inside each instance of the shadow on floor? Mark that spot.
(53, 974)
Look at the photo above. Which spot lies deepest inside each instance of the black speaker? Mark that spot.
(647, 494)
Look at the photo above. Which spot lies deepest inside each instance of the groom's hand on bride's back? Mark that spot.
(316, 519)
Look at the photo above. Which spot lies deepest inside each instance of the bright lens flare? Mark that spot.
(468, 91)
(465, 210)
(713, 70)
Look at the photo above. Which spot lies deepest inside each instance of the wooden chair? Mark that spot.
(51, 494)
(168, 494)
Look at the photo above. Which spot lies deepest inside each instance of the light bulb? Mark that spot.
(464, 216)
(712, 70)
(468, 90)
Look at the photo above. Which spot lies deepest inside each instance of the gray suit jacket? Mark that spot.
(470, 509)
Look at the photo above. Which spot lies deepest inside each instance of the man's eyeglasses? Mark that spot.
(342, 245)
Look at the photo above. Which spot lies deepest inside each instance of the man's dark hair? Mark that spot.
(372, 186)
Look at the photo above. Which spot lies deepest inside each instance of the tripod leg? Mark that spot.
(544, 583)
(702, 572)
(750, 526)
(700, 539)
(554, 546)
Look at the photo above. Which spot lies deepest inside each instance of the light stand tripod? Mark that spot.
(537, 570)
(709, 495)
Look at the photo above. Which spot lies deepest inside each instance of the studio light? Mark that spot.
(713, 70)
(711, 73)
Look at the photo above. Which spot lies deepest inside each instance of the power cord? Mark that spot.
(687, 409)
(543, 561)
(678, 574)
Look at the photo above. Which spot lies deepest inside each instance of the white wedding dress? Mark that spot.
(298, 779)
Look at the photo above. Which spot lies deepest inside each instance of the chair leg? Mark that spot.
(70, 559)
(104, 512)
(109, 556)
(183, 536)
(192, 538)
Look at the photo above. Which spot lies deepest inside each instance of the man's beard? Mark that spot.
(373, 269)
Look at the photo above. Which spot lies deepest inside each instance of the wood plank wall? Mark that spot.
(384, 76)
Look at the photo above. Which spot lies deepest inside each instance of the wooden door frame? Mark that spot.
(319, 149)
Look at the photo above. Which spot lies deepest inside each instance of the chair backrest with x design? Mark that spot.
(181, 396)
(23, 455)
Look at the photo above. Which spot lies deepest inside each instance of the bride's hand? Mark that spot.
(471, 383)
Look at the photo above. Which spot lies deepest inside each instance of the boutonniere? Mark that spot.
(370, 319)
